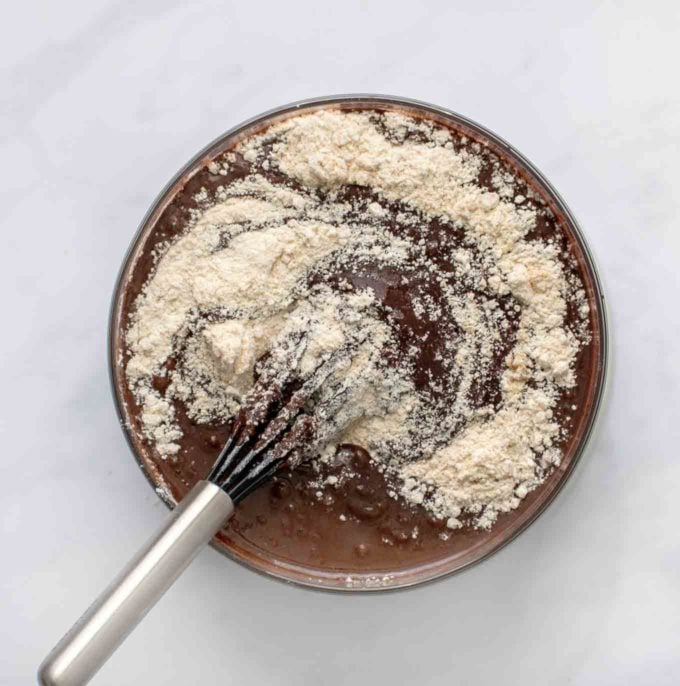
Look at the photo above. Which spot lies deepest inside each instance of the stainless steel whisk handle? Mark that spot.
(118, 610)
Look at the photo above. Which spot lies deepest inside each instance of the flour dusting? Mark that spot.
(373, 234)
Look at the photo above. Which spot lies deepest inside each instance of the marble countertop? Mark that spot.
(102, 101)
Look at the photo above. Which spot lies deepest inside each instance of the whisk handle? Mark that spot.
(97, 634)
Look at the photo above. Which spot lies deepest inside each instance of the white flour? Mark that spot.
(240, 278)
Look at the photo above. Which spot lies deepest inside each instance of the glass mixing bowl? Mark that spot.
(474, 546)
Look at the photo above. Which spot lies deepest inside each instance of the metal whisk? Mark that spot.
(276, 426)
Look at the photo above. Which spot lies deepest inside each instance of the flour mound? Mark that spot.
(290, 245)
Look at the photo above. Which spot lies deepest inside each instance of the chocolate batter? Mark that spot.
(357, 528)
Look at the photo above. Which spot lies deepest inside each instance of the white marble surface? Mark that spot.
(102, 101)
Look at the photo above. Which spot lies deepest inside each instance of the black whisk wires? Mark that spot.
(278, 421)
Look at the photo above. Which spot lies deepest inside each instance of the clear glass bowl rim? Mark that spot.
(337, 582)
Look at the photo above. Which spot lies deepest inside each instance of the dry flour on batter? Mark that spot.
(253, 267)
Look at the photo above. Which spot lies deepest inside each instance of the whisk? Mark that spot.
(276, 425)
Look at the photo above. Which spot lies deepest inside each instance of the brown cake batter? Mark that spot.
(356, 525)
